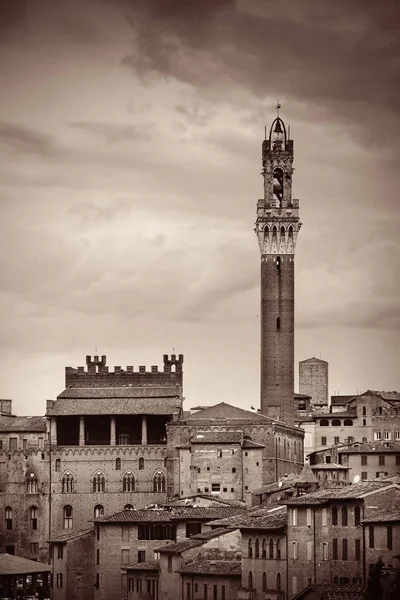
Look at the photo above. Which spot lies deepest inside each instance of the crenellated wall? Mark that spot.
(98, 374)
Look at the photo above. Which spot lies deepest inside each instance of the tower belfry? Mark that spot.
(277, 227)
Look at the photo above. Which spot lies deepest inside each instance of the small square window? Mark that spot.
(208, 468)
(232, 490)
(233, 469)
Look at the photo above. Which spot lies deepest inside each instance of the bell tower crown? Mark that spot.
(277, 224)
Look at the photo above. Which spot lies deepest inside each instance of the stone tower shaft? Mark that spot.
(277, 228)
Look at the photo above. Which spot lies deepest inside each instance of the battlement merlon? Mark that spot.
(98, 374)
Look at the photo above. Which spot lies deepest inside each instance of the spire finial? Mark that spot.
(277, 107)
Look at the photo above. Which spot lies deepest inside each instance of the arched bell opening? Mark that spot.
(278, 186)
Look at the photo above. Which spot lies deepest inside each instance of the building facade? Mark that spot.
(277, 228)
(313, 381)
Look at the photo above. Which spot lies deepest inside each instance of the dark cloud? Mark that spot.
(339, 55)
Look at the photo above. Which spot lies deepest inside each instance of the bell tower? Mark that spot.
(277, 227)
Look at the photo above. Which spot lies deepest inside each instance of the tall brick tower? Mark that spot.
(277, 227)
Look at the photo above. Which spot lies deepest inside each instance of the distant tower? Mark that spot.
(277, 227)
(313, 380)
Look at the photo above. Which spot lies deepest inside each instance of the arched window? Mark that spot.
(283, 231)
(159, 482)
(334, 515)
(99, 482)
(33, 517)
(278, 582)
(257, 548)
(141, 463)
(290, 232)
(278, 549)
(274, 232)
(128, 507)
(250, 580)
(278, 186)
(31, 484)
(264, 582)
(8, 513)
(264, 548)
(128, 482)
(344, 516)
(324, 422)
(67, 483)
(117, 464)
(348, 422)
(336, 423)
(165, 462)
(57, 465)
(266, 231)
(98, 511)
(250, 548)
(357, 516)
(271, 548)
(67, 517)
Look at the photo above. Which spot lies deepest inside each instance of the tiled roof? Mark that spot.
(182, 501)
(275, 519)
(313, 359)
(125, 405)
(212, 533)
(229, 568)
(66, 537)
(390, 396)
(205, 512)
(352, 491)
(329, 591)
(12, 423)
(237, 521)
(217, 437)
(151, 565)
(251, 445)
(336, 415)
(384, 516)
(224, 411)
(340, 400)
(285, 483)
(380, 446)
(15, 565)
(179, 546)
(306, 476)
(123, 391)
(172, 514)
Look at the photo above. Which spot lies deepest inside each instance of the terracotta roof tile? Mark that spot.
(15, 565)
(12, 423)
(217, 437)
(230, 568)
(368, 447)
(328, 591)
(179, 546)
(177, 513)
(351, 491)
(151, 565)
(124, 404)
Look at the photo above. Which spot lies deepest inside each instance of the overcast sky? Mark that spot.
(130, 157)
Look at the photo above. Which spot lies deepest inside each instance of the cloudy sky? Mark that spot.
(130, 143)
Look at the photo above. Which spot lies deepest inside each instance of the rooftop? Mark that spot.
(229, 568)
(380, 446)
(193, 541)
(329, 467)
(217, 437)
(66, 537)
(275, 519)
(175, 513)
(348, 492)
(151, 565)
(13, 423)
(128, 403)
(15, 565)
(329, 591)
(389, 515)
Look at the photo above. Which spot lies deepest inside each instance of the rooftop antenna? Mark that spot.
(95, 350)
(265, 132)
(277, 107)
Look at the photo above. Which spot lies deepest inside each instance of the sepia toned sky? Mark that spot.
(130, 157)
